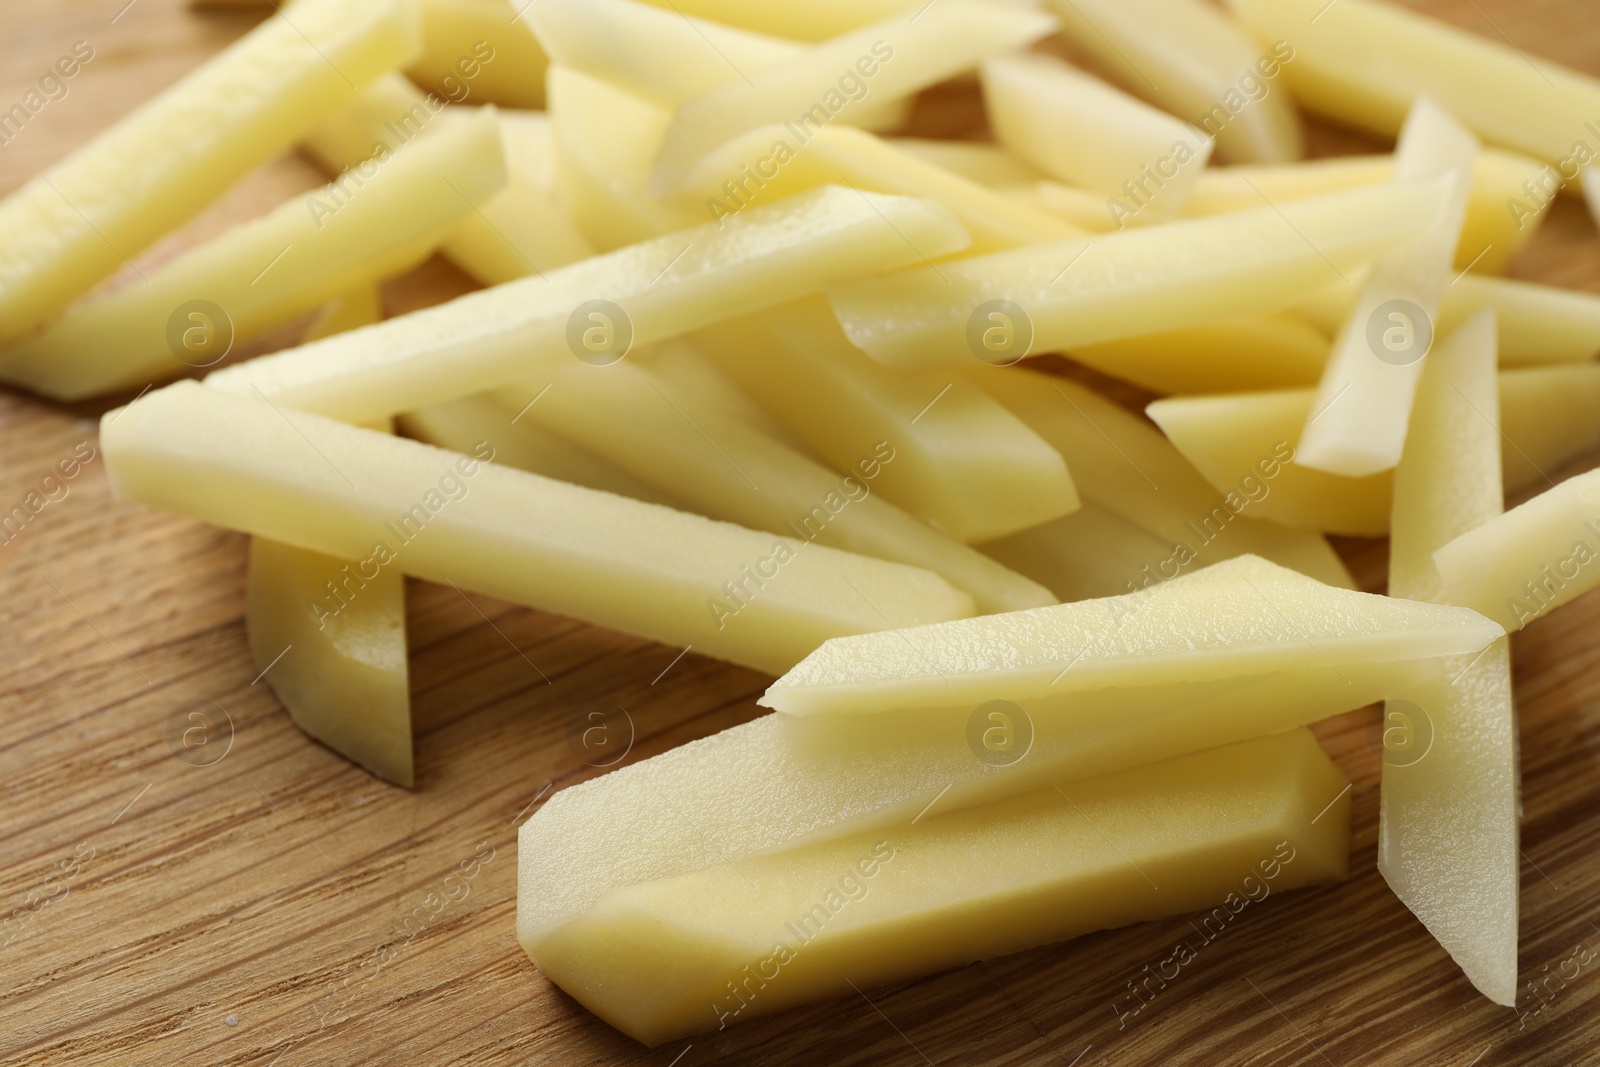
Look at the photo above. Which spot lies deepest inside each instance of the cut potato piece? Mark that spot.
(668, 959)
(479, 51)
(1365, 63)
(963, 462)
(1194, 62)
(1448, 830)
(735, 594)
(1127, 284)
(723, 469)
(607, 140)
(370, 223)
(1086, 133)
(801, 20)
(1490, 238)
(1080, 207)
(688, 375)
(1237, 619)
(330, 638)
(75, 224)
(360, 306)
(985, 164)
(1266, 352)
(520, 231)
(832, 82)
(1128, 468)
(1089, 554)
(597, 309)
(1521, 565)
(1358, 424)
(1538, 323)
(769, 163)
(1550, 416)
(784, 779)
(458, 425)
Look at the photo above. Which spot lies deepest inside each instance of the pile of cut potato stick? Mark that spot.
(755, 372)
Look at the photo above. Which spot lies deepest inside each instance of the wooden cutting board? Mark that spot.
(242, 905)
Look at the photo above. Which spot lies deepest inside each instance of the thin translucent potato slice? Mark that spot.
(668, 959)
(1358, 424)
(601, 306)
(328, 487)
(835, 81)
(368, 224)
(1128, 468)
(1448, 826)
(1194, 62)
(1238, 619)
(725, 470)
(1549, 417)
(1138, 281)
(963, 462)
(73, 225)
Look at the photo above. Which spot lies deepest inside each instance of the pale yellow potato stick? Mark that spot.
(1090, 553)
(669, 959)
(1122, 464)
(596, 310)
(769, 163)
(1089, 134)
(372, 222)
(782, 779)
(839, 79)
(1137, 281)
(1520, 566)
(749, 598)
(520, 231)
(725, 470)
(1358, 425)
(1550, 416)
(73, 226)
(800, 20)
(1538, 323)
(1364, 63)
(1081, 207)
(1448, 823)
(1196, 63)
(1265, 352)
(684, 370)
(357, 307)
(478, 51)
(1490, 238)
(965, 463)
(986, 164)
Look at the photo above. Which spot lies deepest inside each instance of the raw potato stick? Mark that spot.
(368, 224)
(1196, 63)
(1088, 134)
(599, 308)
(1082, 556)
(702, 951)
(724, 470)
(75, 224)
(1549, 416)
(1448, 823)
(783, 779)
(1264, 352)
(479, 51)
(1358, 424)
(835, 81)
(1141, 280)
(321, 485)
(963, 462)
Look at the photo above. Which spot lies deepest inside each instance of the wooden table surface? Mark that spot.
(232, 912)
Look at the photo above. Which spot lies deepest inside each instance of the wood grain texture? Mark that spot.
(235, 913)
